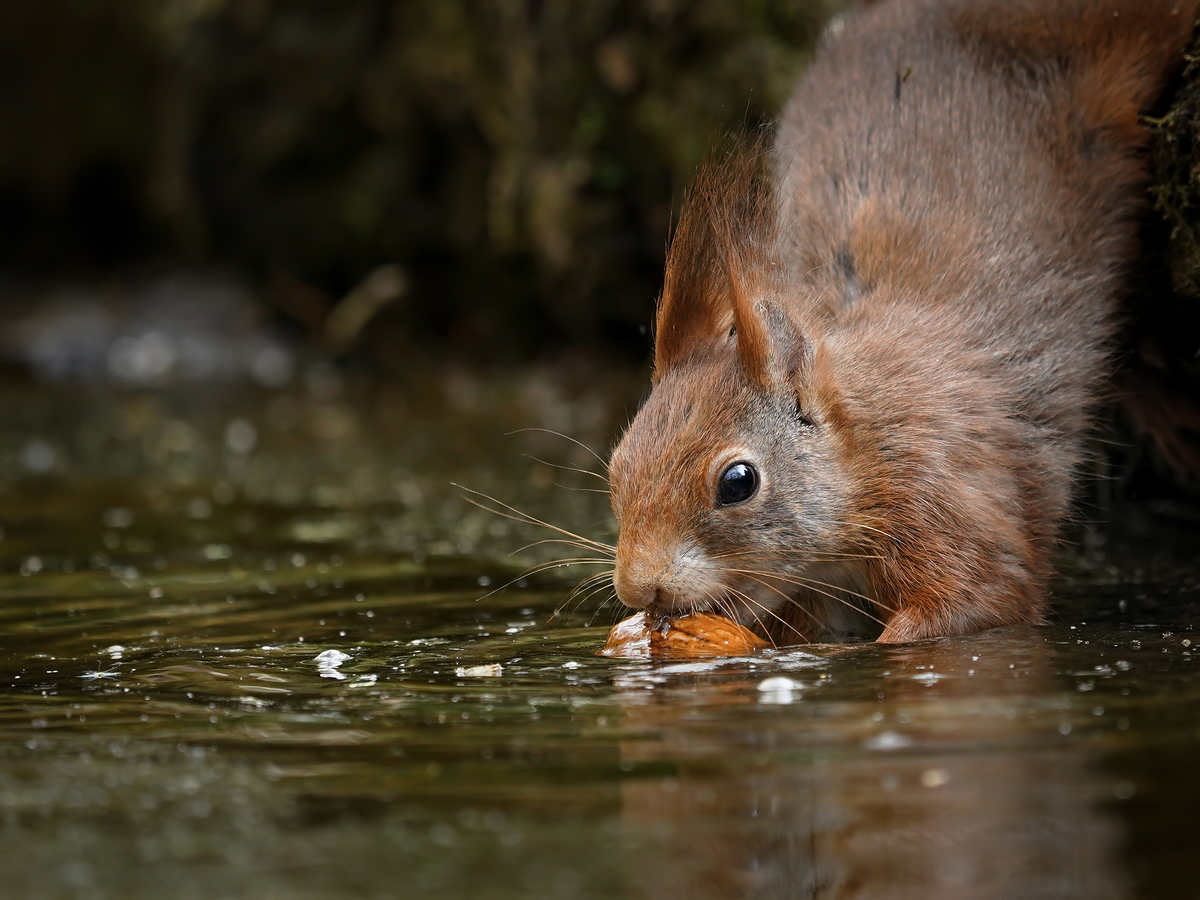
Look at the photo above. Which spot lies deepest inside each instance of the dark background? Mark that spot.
(518, 159)
(470, 182)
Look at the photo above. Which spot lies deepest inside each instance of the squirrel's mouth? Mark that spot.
(672, 608)
(773, 612)
(755, 605)
(762, 602)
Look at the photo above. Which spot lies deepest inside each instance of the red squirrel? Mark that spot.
(879, 345)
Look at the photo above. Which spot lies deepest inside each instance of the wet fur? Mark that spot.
(904, 317)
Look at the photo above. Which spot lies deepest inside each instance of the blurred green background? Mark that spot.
(519, 160)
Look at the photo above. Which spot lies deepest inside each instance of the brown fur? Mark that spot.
(904, 329)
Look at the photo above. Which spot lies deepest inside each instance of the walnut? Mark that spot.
(695, 634)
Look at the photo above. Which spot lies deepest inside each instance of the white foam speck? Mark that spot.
(489, 671)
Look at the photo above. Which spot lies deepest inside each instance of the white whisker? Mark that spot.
(565, 438)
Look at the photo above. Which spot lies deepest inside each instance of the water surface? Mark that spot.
(250, 648)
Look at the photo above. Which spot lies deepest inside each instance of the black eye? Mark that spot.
(737, 483)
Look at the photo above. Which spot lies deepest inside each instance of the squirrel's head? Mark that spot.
(725, 485)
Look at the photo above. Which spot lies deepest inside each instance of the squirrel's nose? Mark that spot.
(637, 584)
(638, 593)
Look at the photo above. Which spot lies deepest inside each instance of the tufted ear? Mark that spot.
(772, 350)
(696, 306)
(723, 275)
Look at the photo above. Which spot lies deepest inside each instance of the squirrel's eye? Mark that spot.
(737, 483)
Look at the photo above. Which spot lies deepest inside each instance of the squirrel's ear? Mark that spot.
(694, 308)
(771, 349)
(720, 261)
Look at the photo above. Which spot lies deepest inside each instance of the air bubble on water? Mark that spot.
(779, 689)
(331, 658)
(328, 661)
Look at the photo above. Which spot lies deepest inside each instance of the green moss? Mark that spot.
(1175, 193)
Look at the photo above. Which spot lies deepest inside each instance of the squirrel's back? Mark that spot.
(959, 185)
(976, 152)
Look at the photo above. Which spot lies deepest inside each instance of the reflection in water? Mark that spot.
(925, 799)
